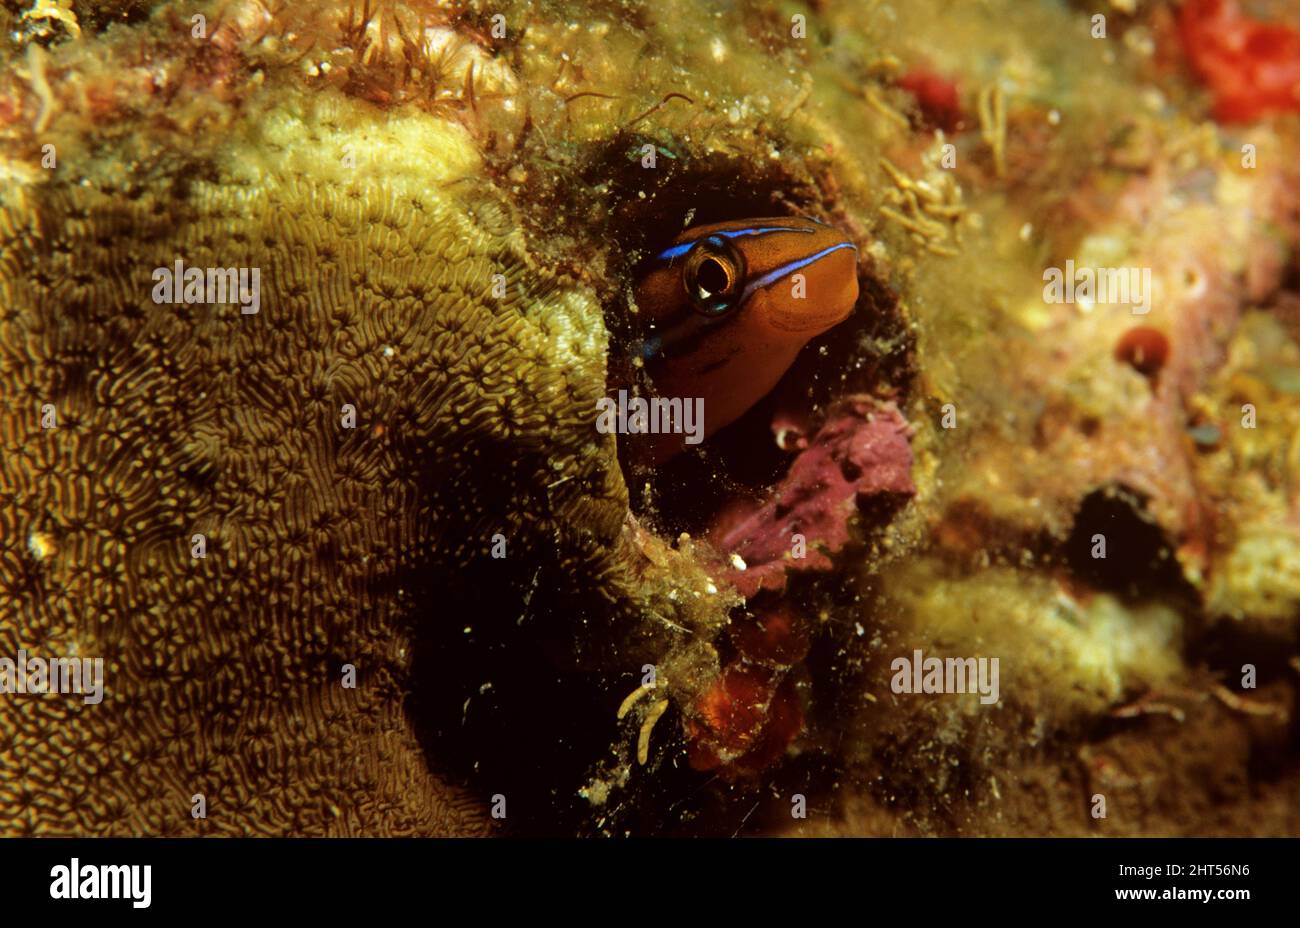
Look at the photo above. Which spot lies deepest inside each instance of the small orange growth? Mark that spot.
(936, 97)
(744, 722)
(733, 711)
(1144, 348)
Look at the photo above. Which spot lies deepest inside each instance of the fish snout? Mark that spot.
(817, 296)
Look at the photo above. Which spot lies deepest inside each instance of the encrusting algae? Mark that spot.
(389, 474)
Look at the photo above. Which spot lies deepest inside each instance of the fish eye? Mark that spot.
(712, 276)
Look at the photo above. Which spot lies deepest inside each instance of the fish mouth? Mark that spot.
(813, 319)
(810, 324)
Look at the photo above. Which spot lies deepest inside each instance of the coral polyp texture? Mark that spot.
(357, 559)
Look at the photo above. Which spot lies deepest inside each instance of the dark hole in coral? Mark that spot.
(509, 693)
(1139, 563)
(493, 706)
(1227, 646)
(538, 731)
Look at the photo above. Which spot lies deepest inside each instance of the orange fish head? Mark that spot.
(730, 305)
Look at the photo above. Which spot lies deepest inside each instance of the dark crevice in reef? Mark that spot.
(640, 210)
(498, 693)
(513, 707)
(1139, 562)
(546, 722)
(742, 457)
(500, 700)
(1226, 646)
(538, 732)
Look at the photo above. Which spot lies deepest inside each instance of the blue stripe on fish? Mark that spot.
(773, 276)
